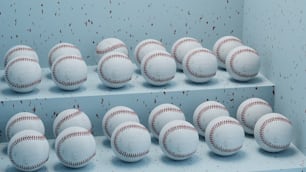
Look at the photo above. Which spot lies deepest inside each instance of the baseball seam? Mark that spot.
(107, 121)
(69, 136)
(19, 140)
(204, 109)
(122, 152)
(146, 72)
(198, 75)
(111, 48)
(15, 85)
(67, 83)
(168, 132)
(14, 50)
(174, 52)
(19, 119)
(211, 136)
(66, 118)
(105, 59)
(262, 132)
(232, 58)
(245, 109)
(59, 47)
(143, 45)
(221, 44)
(158, 113)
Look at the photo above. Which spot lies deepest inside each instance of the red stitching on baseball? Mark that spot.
(68, 136)
(14, 50)
(155, 115)
(246, 107)
(262, 132)
(114, 114)
(220, 45)
(211, 136)
(19, 140)
(168, 132)
(180, 43)
(118, 56)
(16, 85)
(67, 83)
(59, 47)
(111, 48)
(19, 119)
(145, 44)
(232, 58)
(198, 75)
(204, 109)
(122, 152)
(66, 118)
(146, 70)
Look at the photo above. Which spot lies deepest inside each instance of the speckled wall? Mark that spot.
(277, 29)
(42, 24)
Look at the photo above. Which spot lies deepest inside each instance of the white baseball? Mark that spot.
(22, 121)
(131, 141)
(250, 110)
(75, 147)
(199, 65)
(62, 49)
(206, 112)
(178, 140)
(20, 50)
(146, 46)
(69, 72)
(28, 150)
(161, 115)
(273, 132)
(223, 46)
(224, 136)
(23, 74)
(243, 63)
(181, 47)
(110, 45)
(158, 68)
(115, 69)
(115, 116)
(69, 118)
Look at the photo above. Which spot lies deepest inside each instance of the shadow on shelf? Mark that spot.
(232, 158)
(62, 168)
(283, 154)
(211, 82)
(171, 84)
(56, 89)
(105, 88)
(127, 165)
(252, 81)
(182, 163)
(106, 143)
(12, 93)
(13, 169)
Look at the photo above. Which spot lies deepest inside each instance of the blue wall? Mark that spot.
(277, 29)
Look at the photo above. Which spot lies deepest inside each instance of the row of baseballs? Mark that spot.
(115, 68)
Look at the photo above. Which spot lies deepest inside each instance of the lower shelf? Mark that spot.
(250, 158)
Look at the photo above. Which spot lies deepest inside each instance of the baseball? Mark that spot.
(22, 121)
(223, 46)
(242, 63)
(224, 136)
(158, 68)
(69, 72)
(199, 65)
(116, 116)
(115, 69)
(161, 115)
(131, 141)
(23, 74)
(75, 147)
(62, 49)
(181, 47)
(20, 50)
(146, 46)
(178, 140)
(28, 150)
(273, 132)
(206, 112)
(250, 110)
(110, 45)
(69, 118)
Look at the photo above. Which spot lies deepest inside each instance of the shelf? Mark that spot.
(250, 158)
